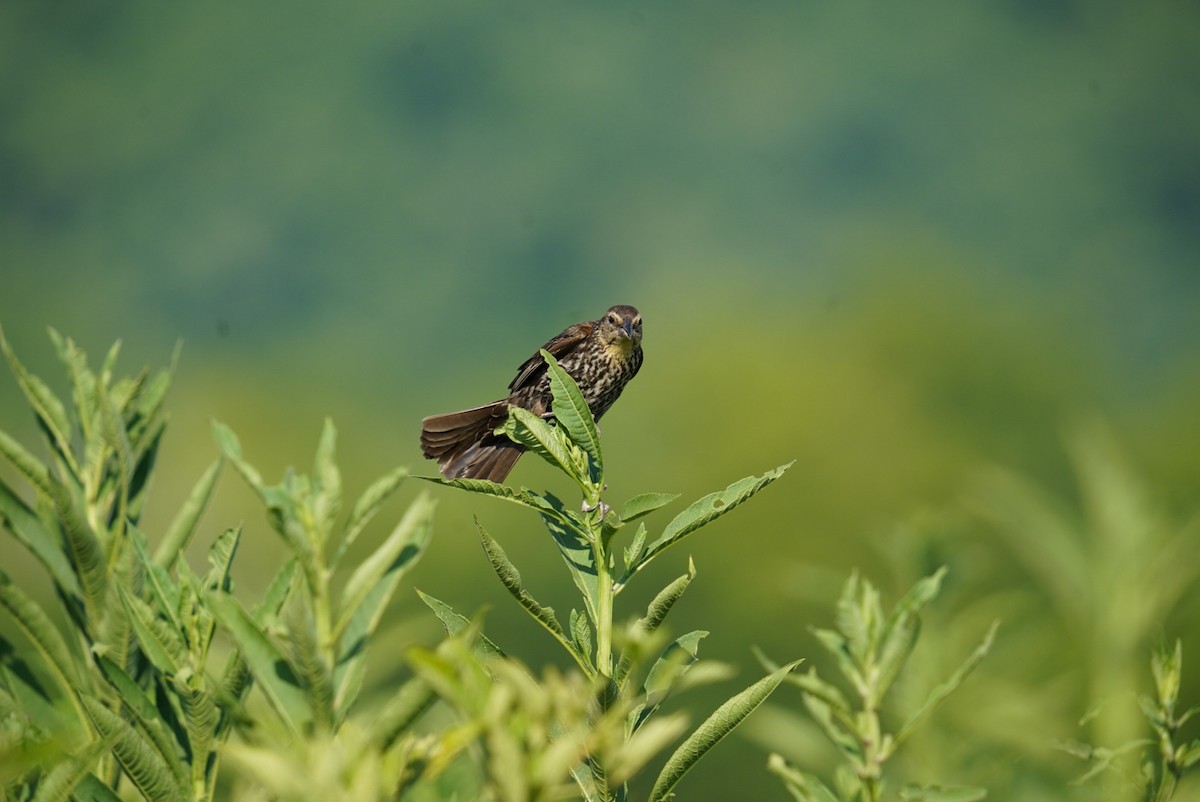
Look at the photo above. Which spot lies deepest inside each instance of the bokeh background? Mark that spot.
(942, 255)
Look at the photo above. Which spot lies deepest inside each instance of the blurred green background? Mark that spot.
(897, 243)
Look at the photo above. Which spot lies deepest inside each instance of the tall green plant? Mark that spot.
(613, 659)
(870, 650)
(1164, 758)
(123, 694)
(124, 701)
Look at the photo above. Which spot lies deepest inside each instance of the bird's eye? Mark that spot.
(613, 319)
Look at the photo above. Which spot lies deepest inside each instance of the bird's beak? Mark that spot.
(628, 329)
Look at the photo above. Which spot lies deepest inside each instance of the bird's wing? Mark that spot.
(532, 369)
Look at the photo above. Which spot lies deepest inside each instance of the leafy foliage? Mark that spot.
(626, 684)
(1166, 757)
(870, 650)
(126, 700)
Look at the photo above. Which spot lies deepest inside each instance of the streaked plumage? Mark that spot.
(600, 355)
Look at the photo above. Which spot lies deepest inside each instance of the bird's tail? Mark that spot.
(464, 445)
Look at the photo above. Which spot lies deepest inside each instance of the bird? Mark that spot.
(602, 356)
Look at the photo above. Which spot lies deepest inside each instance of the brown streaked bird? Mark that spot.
(600, 355)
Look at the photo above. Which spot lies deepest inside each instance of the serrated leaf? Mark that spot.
(581, 637)
(183, 525)
(644, 504)
(366, 507)
(705, 511)
(510, 578)
(456, 623)
(311, 667)
(484, 487)
(149, 720)
(574, 417)
(399, 552)
(83, 549)
(146, 767)
(29, 466)
(723, 721)
(273, 673)
(201, 717)
(83, 381)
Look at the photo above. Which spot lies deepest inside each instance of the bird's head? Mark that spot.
(622, 326)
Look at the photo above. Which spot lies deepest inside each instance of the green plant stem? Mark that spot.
(604, 614)
(604, 592)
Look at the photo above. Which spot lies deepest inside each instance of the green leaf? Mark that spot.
(456, 623)
(83, 382)
(311, 667)
(668, 669)
(85, 553)
(161, 644)
(201, 717)
(43, 544)
(143, 466)
(366, 507)
(51, 414)
(35, 702)
(938, 694)
(58, 784)
(645, 504)
(130, 693)
(275, 675)
(392, 559)
(574, 417)
(183, 525)
(510, 577)
(45, 637)
(804, 787)
(581, 637)
(29, 466)
(632, 555)
(484, 487)
(705, 511)
(900, 633)
(220, 556)
(401, 712)
(656, 612)
(149, 720)
(145, 765)
(527, 429)
(722, 722)
(164, 592)
(661, 604)
(91, 789)
(576, 551)
(327, 480)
